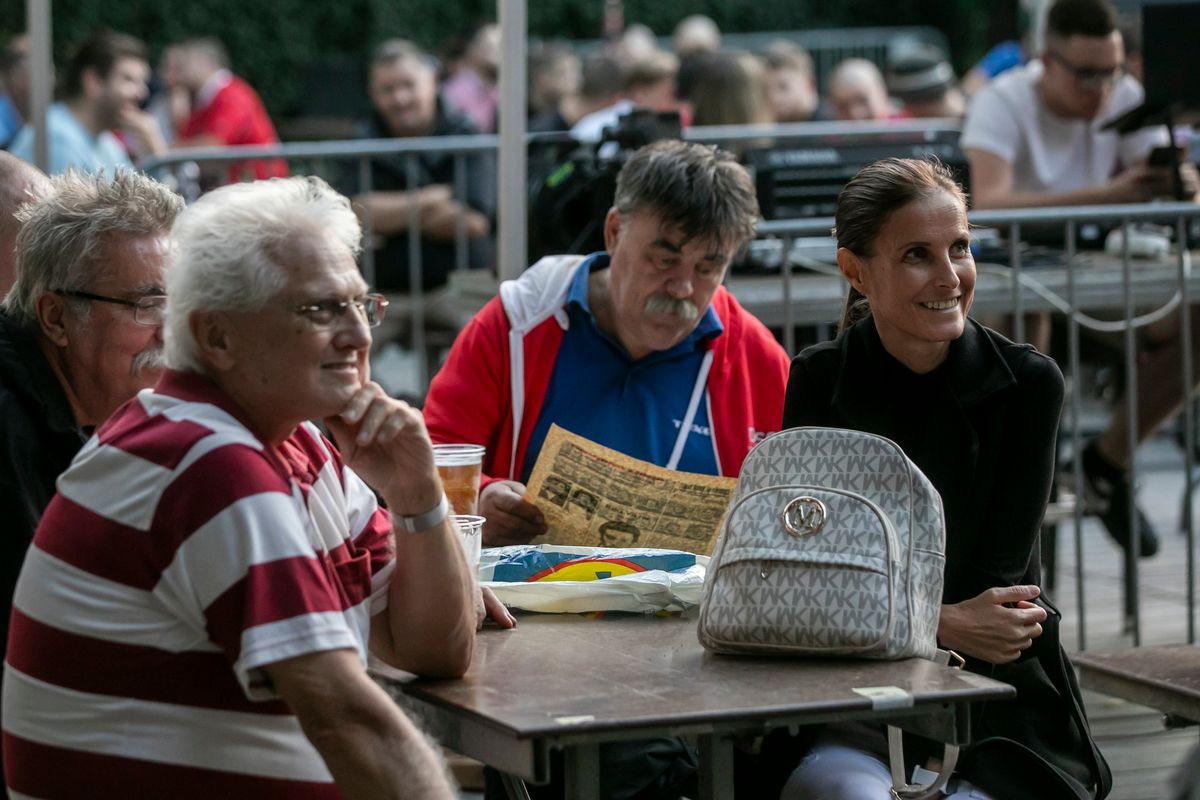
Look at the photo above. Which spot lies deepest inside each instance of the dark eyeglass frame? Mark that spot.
(1086, 77)
(147, 311)
(372, 306)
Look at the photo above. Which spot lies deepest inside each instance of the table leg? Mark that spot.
(514, 787)
(582, 772)
(716, 767)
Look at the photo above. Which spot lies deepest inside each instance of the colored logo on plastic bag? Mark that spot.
(586, 569)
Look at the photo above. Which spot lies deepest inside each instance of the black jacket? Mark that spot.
(982, 427)
(38, 439)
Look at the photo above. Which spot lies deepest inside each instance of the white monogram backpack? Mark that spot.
(833, 545)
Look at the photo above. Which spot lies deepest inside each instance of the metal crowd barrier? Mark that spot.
(1024, 287)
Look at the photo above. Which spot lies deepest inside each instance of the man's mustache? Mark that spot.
(150, 358)
(665, 304)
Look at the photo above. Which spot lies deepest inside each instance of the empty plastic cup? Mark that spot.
(470, 536)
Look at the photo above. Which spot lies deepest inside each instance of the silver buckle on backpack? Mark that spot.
(804, 516)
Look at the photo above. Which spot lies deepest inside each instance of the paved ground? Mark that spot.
(1142, 754)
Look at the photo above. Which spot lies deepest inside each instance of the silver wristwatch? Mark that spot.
(423, 522)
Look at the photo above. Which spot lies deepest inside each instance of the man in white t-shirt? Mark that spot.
(1034, 137)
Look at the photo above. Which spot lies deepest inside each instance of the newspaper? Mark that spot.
(596, 497)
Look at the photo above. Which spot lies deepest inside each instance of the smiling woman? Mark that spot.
(978, 414)
(915, 269)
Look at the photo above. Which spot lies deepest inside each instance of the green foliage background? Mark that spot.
(272, 42)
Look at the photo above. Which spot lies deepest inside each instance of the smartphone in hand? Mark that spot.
(1164, 156)
(1169, 157)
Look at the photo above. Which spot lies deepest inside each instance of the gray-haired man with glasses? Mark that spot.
(68, 360)
(80, 332)
(213, 543)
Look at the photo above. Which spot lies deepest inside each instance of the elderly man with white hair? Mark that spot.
(200, 597)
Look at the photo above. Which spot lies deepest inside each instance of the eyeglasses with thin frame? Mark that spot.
(327, 313)
(1089, 79)
(147, 310)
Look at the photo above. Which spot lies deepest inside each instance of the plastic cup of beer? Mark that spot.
(460, 466)
(470, 535)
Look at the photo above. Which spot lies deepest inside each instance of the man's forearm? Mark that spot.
(392, 762)
(370, 748)
(1096, 195)
(391, 212)
(403, 767)
(430, 618)
(441, 222)
(202, 140)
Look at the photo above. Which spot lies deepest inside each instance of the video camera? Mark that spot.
(569, 203)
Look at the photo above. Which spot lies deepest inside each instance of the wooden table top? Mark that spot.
(1166, 677)
(556, 674)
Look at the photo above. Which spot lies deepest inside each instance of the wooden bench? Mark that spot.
(1166, 677)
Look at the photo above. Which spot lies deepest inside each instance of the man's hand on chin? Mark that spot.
(384, 440)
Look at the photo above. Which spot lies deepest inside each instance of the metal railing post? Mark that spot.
(1076, 435)
(1189, 423)
(460, 222)
(41, 77)
(512, 244)
(368, 250)
(1133, 550)
(1014, 249)
(785, 271)
(416, 286)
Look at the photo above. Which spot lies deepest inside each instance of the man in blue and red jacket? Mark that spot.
(638, 348)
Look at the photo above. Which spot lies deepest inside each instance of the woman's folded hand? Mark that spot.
(994, 626)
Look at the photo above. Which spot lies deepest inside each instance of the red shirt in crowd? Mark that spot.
(235, 115)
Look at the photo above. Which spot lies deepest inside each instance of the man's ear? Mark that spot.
(214, 339)
(52, 316)
(612, 230)
(852, 267)
(90, 82)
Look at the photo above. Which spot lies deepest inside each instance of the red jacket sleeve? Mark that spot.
(747, 384)
(470, 398)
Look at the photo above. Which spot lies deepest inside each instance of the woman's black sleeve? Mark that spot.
(1015, 507)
